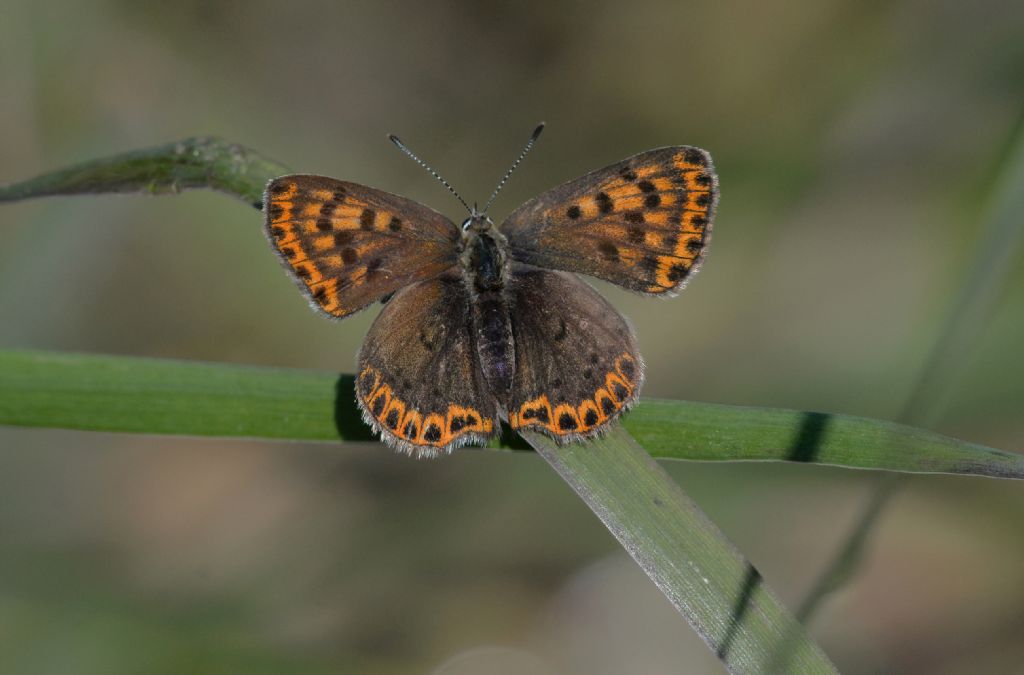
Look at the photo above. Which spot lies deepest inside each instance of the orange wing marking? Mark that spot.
(564, 419)
(397, 417)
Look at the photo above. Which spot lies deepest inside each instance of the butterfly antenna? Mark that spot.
(504, 179)
(401, 146)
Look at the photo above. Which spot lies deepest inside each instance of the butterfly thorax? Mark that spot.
(485, 269)
(487, 262)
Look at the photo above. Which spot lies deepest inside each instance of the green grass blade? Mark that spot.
(706, 431)
(718, 591)
(999, 252)
(155, 396)
(167, 169)
(140, 395)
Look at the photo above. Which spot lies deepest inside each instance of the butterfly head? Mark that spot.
(477, 221)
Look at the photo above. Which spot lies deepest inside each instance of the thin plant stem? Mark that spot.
(1001, 245)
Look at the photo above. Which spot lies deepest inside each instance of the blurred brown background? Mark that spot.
(858, 144)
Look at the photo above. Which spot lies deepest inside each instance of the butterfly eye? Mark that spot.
(466, 223)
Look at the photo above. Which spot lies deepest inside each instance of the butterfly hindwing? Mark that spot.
(577, 362)
(643, 223)
(419, 381)
(347, 245)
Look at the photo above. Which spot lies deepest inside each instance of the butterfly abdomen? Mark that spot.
(487, 272)
(494, 342)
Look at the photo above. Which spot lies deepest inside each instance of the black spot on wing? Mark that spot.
(563, 330)
(677, 273)
(366, 382)
(627, 369)
(373, 268)
(649, 264)
(327, 209)
(367, 218)
(608, 250)
(695, 156)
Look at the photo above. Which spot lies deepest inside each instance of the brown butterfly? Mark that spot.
(480, 327)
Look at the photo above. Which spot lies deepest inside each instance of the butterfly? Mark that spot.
(484, 323)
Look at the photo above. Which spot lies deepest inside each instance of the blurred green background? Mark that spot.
(858, 145)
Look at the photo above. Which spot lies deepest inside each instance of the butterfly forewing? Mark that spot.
(577, 362)
(348, 245)
(643, 223)
(419, 381)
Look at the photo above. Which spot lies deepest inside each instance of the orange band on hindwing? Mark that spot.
(423, 429)
(571, 419)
